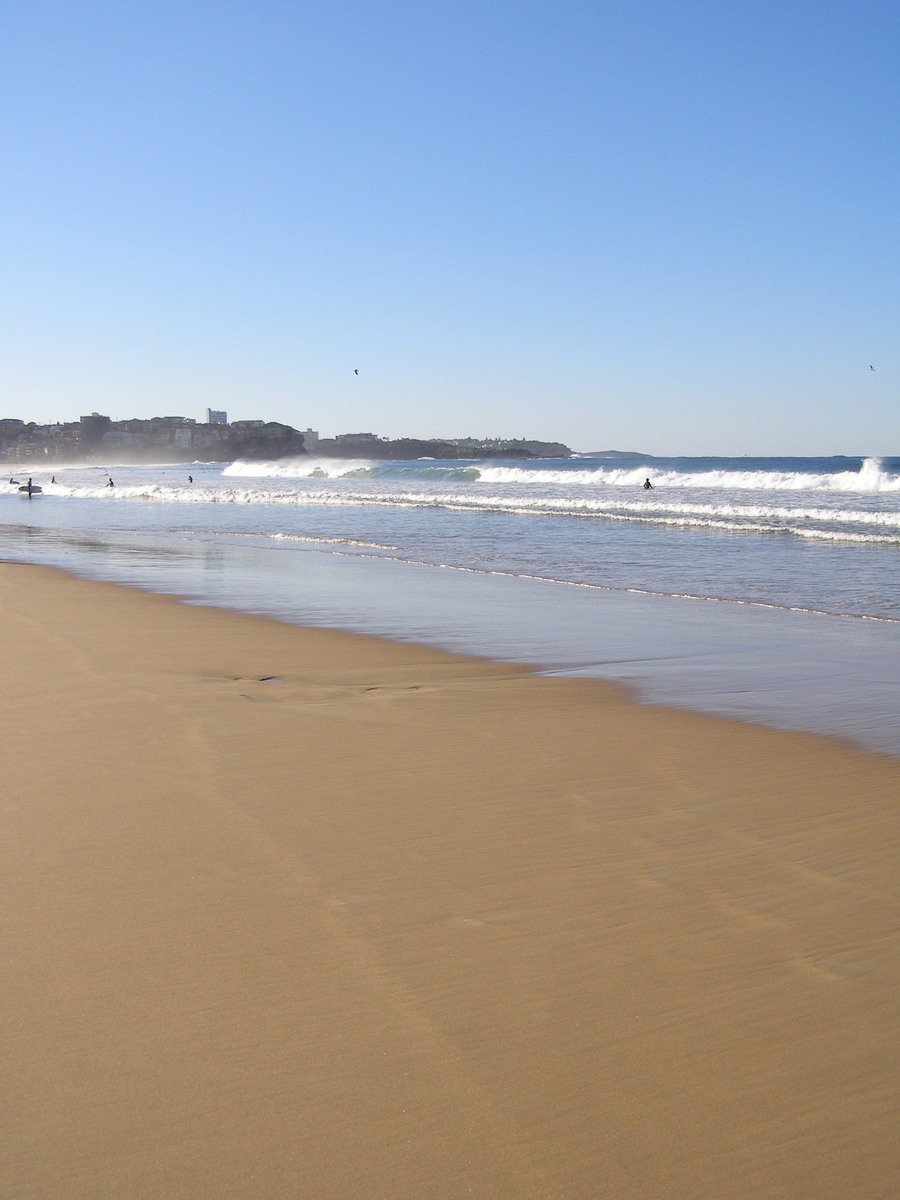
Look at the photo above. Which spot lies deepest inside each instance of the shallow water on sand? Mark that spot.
(791, 669)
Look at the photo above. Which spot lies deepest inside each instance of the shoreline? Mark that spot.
(780, 668)
(306, 912)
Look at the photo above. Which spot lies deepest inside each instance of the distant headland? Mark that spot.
(99, 439)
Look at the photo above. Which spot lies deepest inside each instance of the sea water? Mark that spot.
(767, 589)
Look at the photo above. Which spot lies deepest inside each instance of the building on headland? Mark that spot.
(216, 417)
(513, 446)
(371, 446)
(94, 427)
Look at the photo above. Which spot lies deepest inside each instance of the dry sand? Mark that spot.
(399, 923)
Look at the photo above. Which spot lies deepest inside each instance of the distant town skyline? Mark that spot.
(96, 437)
(659, 225)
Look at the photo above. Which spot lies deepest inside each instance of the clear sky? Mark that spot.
(661, 226)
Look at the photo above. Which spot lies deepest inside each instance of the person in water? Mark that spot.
(648, 486)
(110, 484)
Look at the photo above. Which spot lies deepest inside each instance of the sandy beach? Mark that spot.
(292, 913)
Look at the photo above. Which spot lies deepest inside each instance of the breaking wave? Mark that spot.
(871, 476)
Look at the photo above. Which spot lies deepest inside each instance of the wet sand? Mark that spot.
(292, 913)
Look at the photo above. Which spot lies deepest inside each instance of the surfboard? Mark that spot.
(33, 490)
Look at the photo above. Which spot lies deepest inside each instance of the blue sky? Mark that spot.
(663, 226)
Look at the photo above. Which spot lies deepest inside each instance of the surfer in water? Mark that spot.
(648, 486)
(110, 484)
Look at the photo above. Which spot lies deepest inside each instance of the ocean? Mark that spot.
(766, 589)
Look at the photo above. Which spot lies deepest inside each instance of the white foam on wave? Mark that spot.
(165, 494)
(871, 477)
(658, 508)
(299, 468)
(809, 521)
(231, 535)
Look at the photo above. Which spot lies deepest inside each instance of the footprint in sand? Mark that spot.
(837, 968)
(495, 916)
(751, 910)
